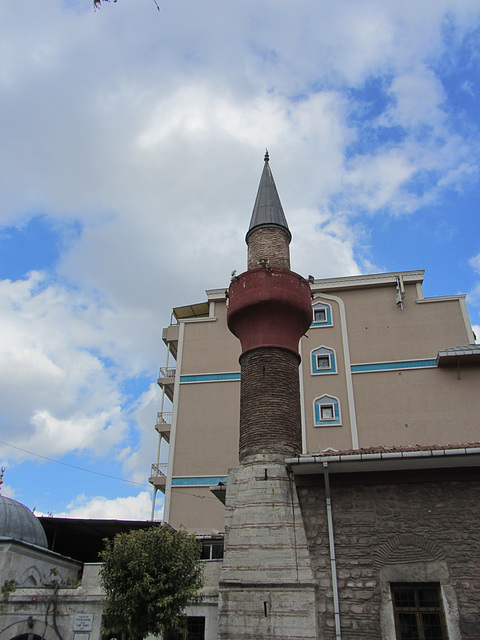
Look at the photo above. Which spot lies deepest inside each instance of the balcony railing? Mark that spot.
(159, 470)
(164, 417)
(167, 372)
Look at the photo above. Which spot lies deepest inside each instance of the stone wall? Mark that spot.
(267, 589)
(40, 610)
(402, 532)
(270, 244)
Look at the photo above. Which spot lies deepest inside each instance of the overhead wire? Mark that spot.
(73, 466)
(97, 473)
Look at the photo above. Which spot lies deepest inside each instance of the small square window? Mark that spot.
(212, 550)
(323, 361)
(320, 315)
(326, 412)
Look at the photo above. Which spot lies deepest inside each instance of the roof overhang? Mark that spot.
(367, 280)
(385, 461)
(219, 491)
(462, 354)
(83, 538)
(199, 310)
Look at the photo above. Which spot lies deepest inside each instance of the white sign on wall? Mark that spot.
(83, 622)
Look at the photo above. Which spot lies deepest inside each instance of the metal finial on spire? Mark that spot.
(267, 210)
(1, 476)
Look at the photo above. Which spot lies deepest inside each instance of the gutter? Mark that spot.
(333, 561)
(388, 460)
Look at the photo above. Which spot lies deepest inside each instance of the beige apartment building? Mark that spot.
(382, 366)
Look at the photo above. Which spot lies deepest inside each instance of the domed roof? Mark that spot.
(19, 523)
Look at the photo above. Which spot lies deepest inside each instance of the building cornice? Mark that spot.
(350, 282)
(366, 280)
(455, 298)
(216, 294)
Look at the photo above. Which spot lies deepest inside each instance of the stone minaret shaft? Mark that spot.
(266, 588)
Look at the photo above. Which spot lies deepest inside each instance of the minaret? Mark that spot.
(266, 587)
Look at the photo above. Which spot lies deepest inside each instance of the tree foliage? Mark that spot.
(149, 576)
(98, 3)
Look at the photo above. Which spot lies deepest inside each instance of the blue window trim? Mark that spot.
(317, 403)
(394, 366)
(234, 376)
(192, 481)
(333, 360)
(210, 377)
(329, 316)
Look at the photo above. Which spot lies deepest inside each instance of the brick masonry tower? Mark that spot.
(266, 587)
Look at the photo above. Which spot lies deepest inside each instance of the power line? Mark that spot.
(72, 466)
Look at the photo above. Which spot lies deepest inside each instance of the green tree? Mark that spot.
(149, 576)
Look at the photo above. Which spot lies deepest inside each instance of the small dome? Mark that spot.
(19, 523)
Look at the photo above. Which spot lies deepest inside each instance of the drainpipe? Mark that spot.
(333, 562)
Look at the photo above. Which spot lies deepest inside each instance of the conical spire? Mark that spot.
(268, 210)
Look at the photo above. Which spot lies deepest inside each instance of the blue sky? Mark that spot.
(132, 144)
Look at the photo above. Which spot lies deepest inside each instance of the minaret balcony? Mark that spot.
(164, 424)
(166, 380)
(158, 476)
(269, 307)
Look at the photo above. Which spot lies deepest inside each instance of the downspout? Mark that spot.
(333, 562)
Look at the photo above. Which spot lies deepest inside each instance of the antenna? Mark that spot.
(400, 295)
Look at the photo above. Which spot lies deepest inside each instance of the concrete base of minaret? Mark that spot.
(267, 588)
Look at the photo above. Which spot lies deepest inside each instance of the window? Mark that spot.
(322, 315)
(323, 360)
(212, 550)
(326, 412)
(418, 611)
(195, 630)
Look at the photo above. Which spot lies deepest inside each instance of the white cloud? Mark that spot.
(137, 507)
(8, 491)
(418, 100)
(325, 251)
(476, 331)
(57, 394)
(148, 128)
(378, 179)
(475, 263)
(136, 464)
(474, 295)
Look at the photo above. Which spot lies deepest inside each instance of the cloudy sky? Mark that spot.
(131, 146)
